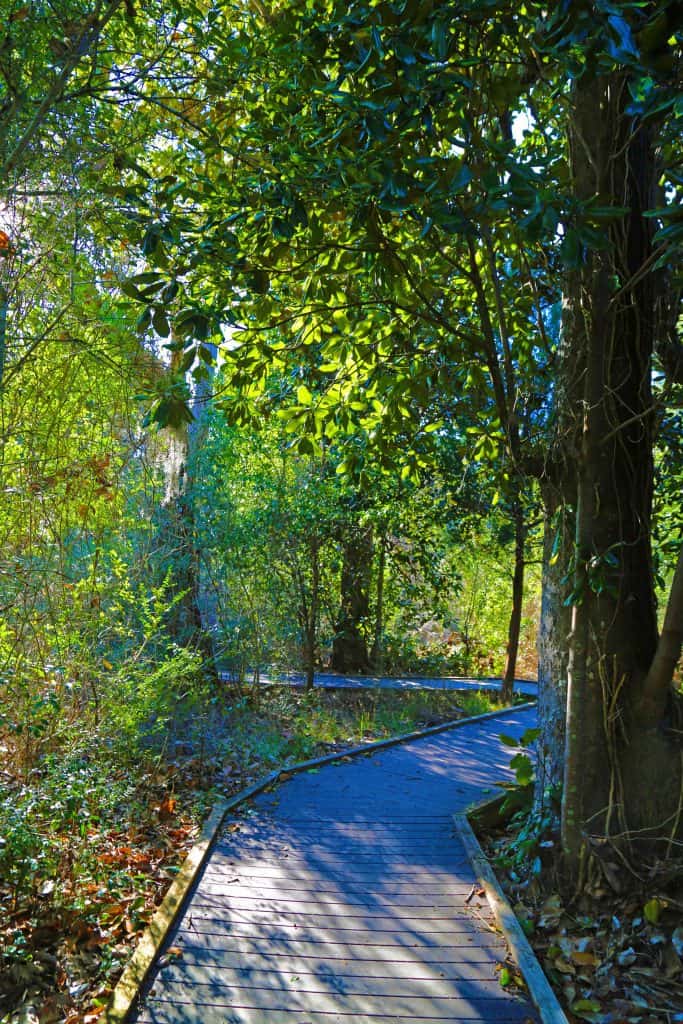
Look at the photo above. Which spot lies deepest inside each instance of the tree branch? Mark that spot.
(81, 45)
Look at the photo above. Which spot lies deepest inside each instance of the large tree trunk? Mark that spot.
(610, 337)
(349, 648)
(177, 536)
(176, 540)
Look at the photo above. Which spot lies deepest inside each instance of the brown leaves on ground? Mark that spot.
(613, 957)
(63, 947)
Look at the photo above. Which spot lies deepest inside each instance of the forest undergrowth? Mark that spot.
(93, 834)
(611, 945)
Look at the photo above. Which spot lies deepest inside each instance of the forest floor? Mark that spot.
(614, 951)
(89, 847)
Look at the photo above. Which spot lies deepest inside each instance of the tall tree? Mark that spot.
(388, 212)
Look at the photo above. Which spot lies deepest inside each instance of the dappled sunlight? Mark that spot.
(346, 895)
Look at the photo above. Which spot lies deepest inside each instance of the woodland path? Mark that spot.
(344, 896)
(333, 680)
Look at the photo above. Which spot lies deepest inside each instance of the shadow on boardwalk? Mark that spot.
(345, 897)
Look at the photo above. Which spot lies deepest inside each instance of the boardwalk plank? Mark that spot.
(301, 899)
(167, 1013)
(324, 979)
(248, 961)
(299, 1000)
(225, 938)
(459, 948)
(401, 906)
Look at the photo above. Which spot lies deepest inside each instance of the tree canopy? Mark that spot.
(404, 225)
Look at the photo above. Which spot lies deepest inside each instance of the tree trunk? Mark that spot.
(553, 626)
(176, 539)
(610, 336)
(349, 648)
(377, 652)
(517, 602)
(311, 616)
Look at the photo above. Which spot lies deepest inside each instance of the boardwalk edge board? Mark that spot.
(128, 987)
(539, 987)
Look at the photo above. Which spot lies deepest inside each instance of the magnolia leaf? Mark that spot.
(652, 910)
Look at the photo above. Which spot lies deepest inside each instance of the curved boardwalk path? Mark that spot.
(341, 897)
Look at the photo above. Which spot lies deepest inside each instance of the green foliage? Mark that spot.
(48, 823)
(520, 792)
(531, 825)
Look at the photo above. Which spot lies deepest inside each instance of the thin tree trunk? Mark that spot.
(312, 616)
(517, 602)
(554, 624)
(377, 653)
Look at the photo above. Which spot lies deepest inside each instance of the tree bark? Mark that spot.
(377, 652)
(553, 631)
(311, 610)
(517, 602)
(177, 540)
(349, 647)
(610, 333)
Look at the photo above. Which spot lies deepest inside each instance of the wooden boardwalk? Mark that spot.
(337, 681)
(345, 897)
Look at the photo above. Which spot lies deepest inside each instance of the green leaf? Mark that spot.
(529, 736)
(160, 323)
(305, 446)
(570, 249)
(586, 1008)
(652, 910)
(523, 768)
(129, 289)
(509, 741)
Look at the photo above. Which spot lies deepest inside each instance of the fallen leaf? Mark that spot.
(584, 959)
(585, 1006)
